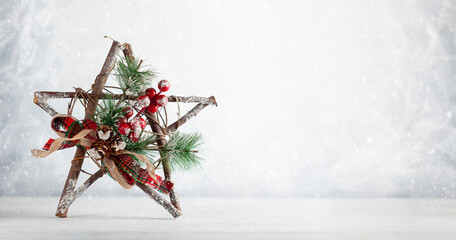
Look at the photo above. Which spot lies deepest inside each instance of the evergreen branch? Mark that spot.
(182, 149)
(142, 144)
(130, 76)
(109, 112)
(150, 155)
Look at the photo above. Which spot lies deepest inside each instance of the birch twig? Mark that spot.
(97, 88)
(155, 196)
(190, 114)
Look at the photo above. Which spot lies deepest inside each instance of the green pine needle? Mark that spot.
(144, 143)
(143, 146)
(130, 76)
(150, 155)
(109, 112)
(181, 151)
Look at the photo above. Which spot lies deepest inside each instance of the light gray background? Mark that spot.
(316, 98)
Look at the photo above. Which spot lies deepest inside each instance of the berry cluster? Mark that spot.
(132, 128)
(153, 100)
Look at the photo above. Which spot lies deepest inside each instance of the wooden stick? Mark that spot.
(193, 99)
(181, 99)
(98, 174)
(72, 104)
(151, 118)
(97, 88)
(71, 196)
(190, 114)
(155, 196)
(161, 141)
(41, 102)
(128, 51)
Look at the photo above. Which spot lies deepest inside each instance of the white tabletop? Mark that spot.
(222, 218)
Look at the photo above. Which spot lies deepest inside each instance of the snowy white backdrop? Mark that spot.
(316, 98)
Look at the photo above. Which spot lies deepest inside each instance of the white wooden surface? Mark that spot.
(206, 218)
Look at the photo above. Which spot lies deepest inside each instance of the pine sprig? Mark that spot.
(144, 143)
(150, 155)
(181, 150)
(109, 111)
(143, 146)
(130, 76)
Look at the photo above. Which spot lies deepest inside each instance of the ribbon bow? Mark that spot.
(71, 132)
(122, 167)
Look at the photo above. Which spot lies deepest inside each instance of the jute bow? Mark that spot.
(121, 166)
(71, 132)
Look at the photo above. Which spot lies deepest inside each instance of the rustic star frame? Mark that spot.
(70, 193)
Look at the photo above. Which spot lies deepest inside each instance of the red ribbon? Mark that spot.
(67, 127)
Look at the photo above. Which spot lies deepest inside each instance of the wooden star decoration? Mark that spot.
(90, 101)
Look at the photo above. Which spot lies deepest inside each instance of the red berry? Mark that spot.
(142, 122)
(150, 92)
(124, 129)
(143, 102)
(127, 112)
(163, 85)
(134, 136)
(135, 123)
(121, 120)
(131, 124)
(152, 108)
(162, 100)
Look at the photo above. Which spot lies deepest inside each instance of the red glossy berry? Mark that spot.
(143, 102)
(142, 122)
(127, 112)
(132, 125)
(152, 108)
(121, 120)
(150, 92)
(136, 123)
(124, 129)
(162, 100)
(163, 85)
(134, 136)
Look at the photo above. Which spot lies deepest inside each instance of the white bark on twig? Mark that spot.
(156, 197)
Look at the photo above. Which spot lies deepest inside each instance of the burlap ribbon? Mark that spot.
(116, 175)
(149, 167)
(72, 132)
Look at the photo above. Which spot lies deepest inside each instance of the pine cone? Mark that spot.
(99, 150)
(104, 132)
(117, 144)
